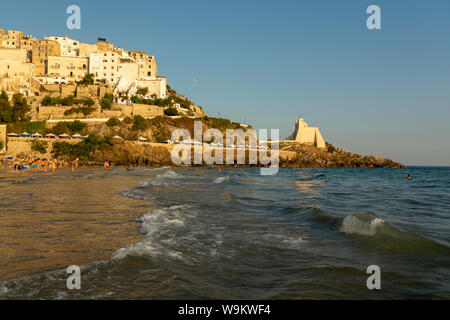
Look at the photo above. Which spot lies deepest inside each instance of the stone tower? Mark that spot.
(306, 135)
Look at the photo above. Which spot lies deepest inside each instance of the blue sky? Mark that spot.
(384, 92)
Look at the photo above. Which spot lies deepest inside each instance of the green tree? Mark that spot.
(142, 91)
(107, 101)
(20, 107)
(76, 126)
(39, 146)
(171, 112)
(5, 108)
(113, 122)
(49, 101)
(106, 104)
(4, 96)
(68, 101)
(140, 124)
(87, 79)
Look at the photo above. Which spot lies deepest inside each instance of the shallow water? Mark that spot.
(193, 233)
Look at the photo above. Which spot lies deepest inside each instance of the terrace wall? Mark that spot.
(17, 146)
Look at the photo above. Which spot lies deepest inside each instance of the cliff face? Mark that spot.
(154, 154)
(310, 156)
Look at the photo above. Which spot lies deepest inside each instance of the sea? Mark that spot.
(196, 233)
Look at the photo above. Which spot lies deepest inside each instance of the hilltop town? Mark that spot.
(58, 71)
(63, 98)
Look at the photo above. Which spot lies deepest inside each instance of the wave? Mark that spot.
(158, 227)
(361, 223)
(49, 285)
(221, 179)
(379, 233)
(162, 179)
(156, 169)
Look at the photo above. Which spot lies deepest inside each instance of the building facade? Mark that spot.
(72, 68)
(10, 39)
(58, 59)
(15, 71)
(41, 50)
(68, 47)
(105, 66)
(146, 63)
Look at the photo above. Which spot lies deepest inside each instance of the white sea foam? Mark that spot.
(161, 179)
(221, 179)
(155, 225)
(361, 223)
(156, 169)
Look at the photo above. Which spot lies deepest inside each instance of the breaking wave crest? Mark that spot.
(158, 227)
(380, 234)
(361, 223)
(221, 179)
(163, 179)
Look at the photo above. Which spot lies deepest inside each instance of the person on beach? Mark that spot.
(409, 177)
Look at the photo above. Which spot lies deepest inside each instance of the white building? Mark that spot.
(69, 47)
(105, 66)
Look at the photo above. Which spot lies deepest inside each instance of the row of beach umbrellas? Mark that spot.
(54, 136)
(48, 136)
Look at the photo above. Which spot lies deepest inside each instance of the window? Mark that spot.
(149, 74)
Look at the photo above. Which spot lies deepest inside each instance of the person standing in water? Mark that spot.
(409, 177)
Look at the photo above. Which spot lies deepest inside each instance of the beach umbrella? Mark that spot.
(64, 136)
(50, 136)
(12, 134)
(25, 135)
(118, 137)
(77, 136)
(36, 135)
(142, 139)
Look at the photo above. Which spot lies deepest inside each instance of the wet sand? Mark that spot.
(63, 218)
